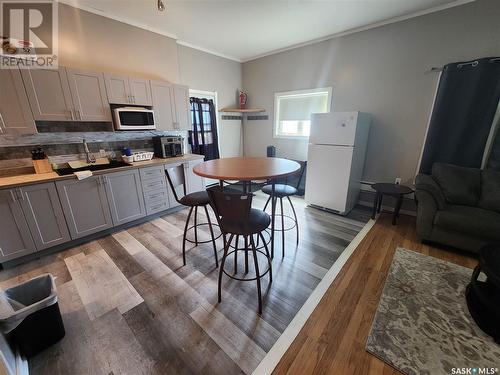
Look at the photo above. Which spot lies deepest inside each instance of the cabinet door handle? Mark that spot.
(79, 114)
(133, 98)
(71, 114)
(2, 123)
(21, 194)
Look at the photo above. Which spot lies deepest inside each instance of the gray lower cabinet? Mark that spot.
(44, 214)
(15, 237)
(154, 186)
(125, 197)
(85, 206)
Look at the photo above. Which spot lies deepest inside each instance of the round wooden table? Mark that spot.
(248, 169)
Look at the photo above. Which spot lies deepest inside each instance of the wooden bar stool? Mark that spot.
(176, 178)
(236, 217)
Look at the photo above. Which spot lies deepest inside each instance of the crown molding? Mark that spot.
(363, 28)
(99, 12)
(186, 44)
(78, 5)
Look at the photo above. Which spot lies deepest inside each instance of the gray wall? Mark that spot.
(202, 71)
(90, 41)
(380, 71)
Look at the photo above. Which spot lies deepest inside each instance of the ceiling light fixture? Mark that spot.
(161, 5)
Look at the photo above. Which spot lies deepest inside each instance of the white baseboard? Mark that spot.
(272, 358)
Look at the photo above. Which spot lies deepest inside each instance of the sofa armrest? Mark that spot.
(424, 182)
(426, 210)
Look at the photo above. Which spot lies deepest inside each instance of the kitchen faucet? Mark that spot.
(89, 156)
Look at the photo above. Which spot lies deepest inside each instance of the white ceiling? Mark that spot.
(245, 29)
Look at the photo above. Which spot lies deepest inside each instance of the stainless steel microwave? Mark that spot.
(134, 118)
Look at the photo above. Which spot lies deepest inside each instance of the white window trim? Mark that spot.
(329, 90)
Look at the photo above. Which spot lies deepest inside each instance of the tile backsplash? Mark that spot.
(15, 151)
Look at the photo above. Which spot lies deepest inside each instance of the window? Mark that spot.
(292, 111)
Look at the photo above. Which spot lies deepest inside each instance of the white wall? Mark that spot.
(380, 71)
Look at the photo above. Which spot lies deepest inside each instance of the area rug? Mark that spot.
(422, 324)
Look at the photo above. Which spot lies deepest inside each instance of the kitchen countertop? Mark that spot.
(31, 179)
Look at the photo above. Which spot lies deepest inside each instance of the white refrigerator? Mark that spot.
(335, 160)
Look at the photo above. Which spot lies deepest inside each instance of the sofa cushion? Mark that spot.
(490, 190)
(474, 221)
(460, 185)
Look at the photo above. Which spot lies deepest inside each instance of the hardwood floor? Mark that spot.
(131, 307)
(333, 339)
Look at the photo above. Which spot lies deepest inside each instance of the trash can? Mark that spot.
(30, 316)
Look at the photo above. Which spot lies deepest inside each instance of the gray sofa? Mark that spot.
(458, 206)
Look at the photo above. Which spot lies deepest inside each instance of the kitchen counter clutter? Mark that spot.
(28, 179)
(49, 211)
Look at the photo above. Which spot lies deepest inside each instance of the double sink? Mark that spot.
(93, 167)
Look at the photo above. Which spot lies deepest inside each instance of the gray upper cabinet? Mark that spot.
(140, 91)
(88, 93)
(118, 89)
(163, 104)
(15, 112)
(49, 94)
(125, 197)
(44, 215)
(85, 206)
(15, 238)
(181, 99)
(171, 106)
(127, 90)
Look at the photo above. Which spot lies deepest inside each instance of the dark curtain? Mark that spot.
(204, 138)
(462, 117)
(494, 157)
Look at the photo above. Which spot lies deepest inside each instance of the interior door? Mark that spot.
(162, 95)
(181, 99)
(88, 92)
(49, 94)
(328, 174)
(15, 111)
(140, 90)
(118, 89)
(15, 237)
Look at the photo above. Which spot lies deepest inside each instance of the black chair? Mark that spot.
(236, 217)
(283, 190)
(176, 178)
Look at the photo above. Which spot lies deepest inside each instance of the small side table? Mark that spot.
(394, 190)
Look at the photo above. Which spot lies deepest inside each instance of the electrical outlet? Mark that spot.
(102, 153)
(398, 180)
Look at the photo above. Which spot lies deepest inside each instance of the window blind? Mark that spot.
(299, 107)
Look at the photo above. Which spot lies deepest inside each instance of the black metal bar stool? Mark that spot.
(283, 190)
(236, 217)
(176, 178)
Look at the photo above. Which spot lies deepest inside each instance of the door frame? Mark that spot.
(203, 94)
